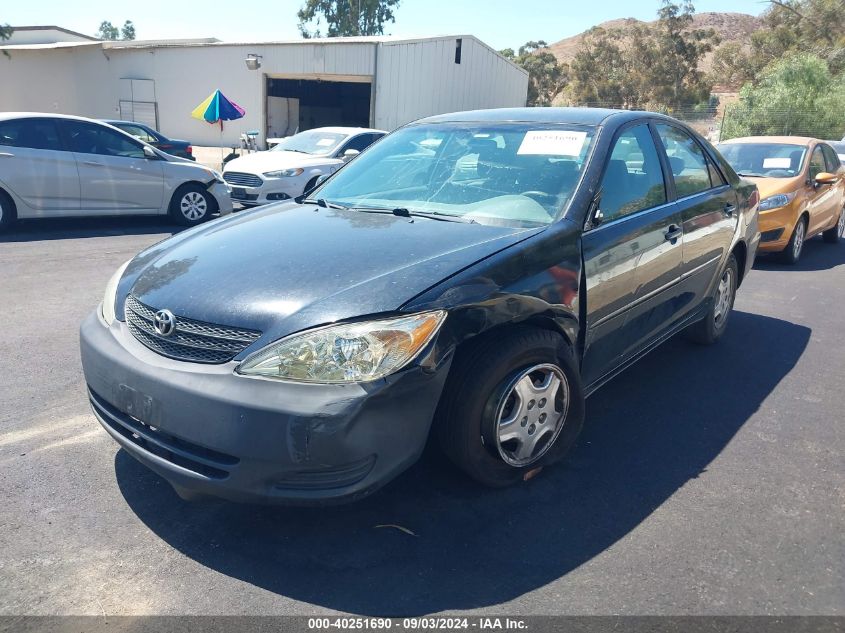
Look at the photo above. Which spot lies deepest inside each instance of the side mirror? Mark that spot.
(320, 180)
(825, 178)
(350, 154)
(149, 152)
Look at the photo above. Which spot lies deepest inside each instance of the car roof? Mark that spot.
(784, 140)
(6, 116)
(119, 121)
(337, 129)
(576, 116)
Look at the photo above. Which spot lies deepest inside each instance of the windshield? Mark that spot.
(511, 174)
(311, 142)
(767, 160)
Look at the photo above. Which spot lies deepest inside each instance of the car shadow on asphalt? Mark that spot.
(648, 432)
(76, 228)
(816, 255)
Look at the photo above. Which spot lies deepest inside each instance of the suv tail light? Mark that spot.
(189, 150)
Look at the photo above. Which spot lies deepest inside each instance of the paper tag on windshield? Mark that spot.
(777, 163)
(552, 143)
(323, 142)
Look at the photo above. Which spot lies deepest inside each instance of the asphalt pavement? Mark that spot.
(707, 480)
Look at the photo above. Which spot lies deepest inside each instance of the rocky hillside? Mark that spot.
(731, 27)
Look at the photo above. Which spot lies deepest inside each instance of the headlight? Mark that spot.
(284, 173)
(350, 352)
(111, 291)
(775, 202)
(218, 177)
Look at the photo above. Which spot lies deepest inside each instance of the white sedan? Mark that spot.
(293, 166)
(55, 165)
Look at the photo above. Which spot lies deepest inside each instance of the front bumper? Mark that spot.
(271, 190)
(221, 193)
(777, 226)
(209, 431)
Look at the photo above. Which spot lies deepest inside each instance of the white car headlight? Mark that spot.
(349, 352)
(284, 173)
(776, 201)
(111, 291)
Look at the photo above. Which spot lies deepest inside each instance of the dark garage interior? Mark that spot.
(294, 105)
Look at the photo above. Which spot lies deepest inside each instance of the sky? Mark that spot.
(499, 23)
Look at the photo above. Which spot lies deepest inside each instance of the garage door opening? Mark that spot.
(296, 105)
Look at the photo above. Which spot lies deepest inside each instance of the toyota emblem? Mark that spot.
(165, 322)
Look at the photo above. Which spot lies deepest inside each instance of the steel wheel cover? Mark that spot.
(531, 414)
(723, 297)
(193, 205)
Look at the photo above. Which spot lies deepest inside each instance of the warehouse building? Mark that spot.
(285, 87)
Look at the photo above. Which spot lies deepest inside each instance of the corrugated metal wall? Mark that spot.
(418, 79)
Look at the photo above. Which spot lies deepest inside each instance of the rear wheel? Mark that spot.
(792, 253)
(7, 211)
(710, 329)
(834, 234)
(191, 205)
(512, 404)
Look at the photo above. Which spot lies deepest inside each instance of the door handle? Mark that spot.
(673, 233)
(6, 155)
(729, 209)
(92, 163)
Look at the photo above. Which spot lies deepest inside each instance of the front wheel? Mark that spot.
(191, 205)
(792, 253)
(834, 234)
(512, 404)
(711, 327)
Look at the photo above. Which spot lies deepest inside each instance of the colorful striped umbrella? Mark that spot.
(218, 108)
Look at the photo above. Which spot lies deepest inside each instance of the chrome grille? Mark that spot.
(242, 179)
(194, 341)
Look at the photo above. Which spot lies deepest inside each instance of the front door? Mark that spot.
(115, 175)
(35, 167)
(632, 258)
(825, 200)
(707, 205)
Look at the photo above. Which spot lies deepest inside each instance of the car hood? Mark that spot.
(772, 186)
(261, 162)
(283, 268)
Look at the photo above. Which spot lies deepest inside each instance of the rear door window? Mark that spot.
(689, 167)
(633, 178)
(31, 133)
(90, 138)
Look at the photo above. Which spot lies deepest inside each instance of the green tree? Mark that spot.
(655, 66)
(674, 51)
(789, 26)
(109, 31)
(5, 33)
(797, 95)
(346, 17)
(547, 77)
(127, 32)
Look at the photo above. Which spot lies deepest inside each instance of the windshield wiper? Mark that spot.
(403, 212)
(750, 175)
(322, 202)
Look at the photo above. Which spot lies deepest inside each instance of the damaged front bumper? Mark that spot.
(209, 431)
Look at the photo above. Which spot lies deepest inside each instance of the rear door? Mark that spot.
(632, 258)
(707, 205)
(36, 168)
(115, 176)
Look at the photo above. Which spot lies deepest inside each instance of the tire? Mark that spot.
(192, 204)
(711, 328)
(310, 185)
(8, 213)
(835, 233)
(481, 390)
(792, 253)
